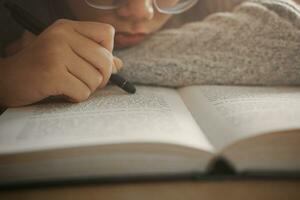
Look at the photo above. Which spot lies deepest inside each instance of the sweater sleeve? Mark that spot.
(256, 44)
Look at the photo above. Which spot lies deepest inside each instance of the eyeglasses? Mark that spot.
(163, 6)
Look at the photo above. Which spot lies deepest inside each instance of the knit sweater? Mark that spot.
(256, 44)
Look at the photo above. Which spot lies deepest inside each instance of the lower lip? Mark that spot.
(125, 40)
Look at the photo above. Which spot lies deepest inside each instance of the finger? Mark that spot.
(74, 89)
(101, 33)
(94, 54)
(13, 48)
(117, 64)
(27, 39)
(85, 72)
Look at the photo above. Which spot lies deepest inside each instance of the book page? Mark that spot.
(110, 116)
(228, 114)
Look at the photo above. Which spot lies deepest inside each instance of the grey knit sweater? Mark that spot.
(257, 44)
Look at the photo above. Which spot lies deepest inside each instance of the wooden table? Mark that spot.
(207, 190)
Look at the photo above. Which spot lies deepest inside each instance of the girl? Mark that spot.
(256, 44)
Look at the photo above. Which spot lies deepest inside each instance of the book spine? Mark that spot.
(221, 166)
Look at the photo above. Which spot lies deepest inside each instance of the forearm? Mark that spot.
(254, 45)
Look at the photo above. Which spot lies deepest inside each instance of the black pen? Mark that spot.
(29, 22)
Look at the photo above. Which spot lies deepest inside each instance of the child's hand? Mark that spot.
(26, 39)
(70, 58)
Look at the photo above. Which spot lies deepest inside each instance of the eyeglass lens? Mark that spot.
(165, 6)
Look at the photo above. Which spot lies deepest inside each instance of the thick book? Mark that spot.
(156, 132)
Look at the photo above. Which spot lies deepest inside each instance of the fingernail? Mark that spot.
(118, 63)
(114, 70)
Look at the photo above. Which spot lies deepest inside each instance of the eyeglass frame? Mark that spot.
(192, 4)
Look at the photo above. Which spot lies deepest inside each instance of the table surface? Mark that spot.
(249, 189)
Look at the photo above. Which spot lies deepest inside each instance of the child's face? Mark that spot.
(133, 21)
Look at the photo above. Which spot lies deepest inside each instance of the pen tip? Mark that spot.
(122, 83)
(129, 88)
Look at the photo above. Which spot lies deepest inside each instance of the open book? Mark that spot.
(158, 131)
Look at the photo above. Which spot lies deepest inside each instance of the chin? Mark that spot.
(123, 40)
(125, 45)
